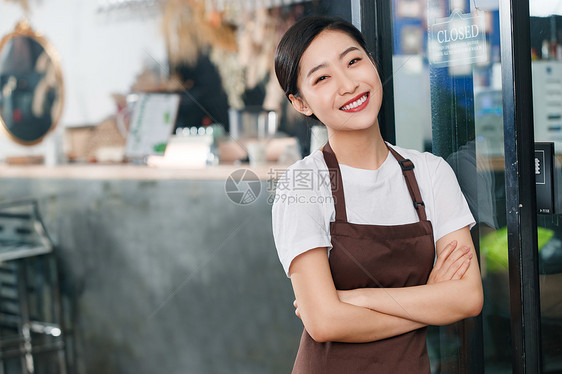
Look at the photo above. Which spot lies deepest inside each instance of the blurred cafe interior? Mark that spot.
(141, 144)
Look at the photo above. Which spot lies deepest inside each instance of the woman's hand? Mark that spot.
(451, 264)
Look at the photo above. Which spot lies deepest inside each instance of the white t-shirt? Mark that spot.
(303, 207)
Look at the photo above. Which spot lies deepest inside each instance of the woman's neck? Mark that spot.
(362, 149)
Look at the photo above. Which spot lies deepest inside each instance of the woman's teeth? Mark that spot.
(355, 104)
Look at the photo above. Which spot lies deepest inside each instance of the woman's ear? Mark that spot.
(300, 105)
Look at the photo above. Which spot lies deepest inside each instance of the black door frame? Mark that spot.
(372, 18)
(521, 206)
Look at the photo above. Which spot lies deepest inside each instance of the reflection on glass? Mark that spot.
(30, 87)
(491, 205)
(546, 52)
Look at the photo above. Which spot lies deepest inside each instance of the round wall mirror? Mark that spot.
(31, 86)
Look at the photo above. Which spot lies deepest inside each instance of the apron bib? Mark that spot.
(373, 256)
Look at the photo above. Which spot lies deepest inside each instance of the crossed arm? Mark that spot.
(453, 292)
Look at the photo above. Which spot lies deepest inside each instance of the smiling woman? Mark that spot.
(361, 258)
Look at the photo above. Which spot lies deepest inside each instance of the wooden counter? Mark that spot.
(135, 172)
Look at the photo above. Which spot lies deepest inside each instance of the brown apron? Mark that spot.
(373, 256)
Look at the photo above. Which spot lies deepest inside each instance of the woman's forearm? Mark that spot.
(433, 304)
(348, 323)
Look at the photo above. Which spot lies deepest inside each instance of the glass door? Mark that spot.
(447, 79)
(457, 84)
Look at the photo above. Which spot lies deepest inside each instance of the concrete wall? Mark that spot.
(167, 276)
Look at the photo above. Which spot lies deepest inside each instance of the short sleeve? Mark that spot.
(451, 211)
(300, 214)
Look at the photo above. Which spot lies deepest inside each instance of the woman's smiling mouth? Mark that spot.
(356, 104)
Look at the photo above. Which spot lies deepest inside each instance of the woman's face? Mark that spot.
(338, 83)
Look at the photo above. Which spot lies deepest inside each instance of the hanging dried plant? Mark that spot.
(240, 43)
(23, 3)
(232, 75)
(251, 64)
(189, 29)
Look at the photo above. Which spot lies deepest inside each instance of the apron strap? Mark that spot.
(335, 182)
(407, 167)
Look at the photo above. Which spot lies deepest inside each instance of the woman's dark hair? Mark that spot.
(297, 39)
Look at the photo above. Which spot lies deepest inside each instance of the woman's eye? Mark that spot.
(320, 79)
(354, 61)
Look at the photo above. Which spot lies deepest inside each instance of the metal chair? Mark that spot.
(31, 332)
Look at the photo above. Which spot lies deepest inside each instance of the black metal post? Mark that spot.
(374, 19)
(520, 186)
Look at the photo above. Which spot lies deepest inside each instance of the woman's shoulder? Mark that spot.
(313, 162)
(421, 160)
(429, 168)
(306, 175)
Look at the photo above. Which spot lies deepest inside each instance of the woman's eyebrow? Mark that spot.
(318, 67)
(350, 49)
(323, 65)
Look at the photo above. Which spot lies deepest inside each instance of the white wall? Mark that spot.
(100, 54)
(538, 8)
(544, 8)
(412, 101)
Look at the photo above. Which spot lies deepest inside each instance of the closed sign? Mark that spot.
(458, 40)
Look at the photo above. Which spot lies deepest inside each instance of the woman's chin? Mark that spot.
(358, 121)
(360, 127)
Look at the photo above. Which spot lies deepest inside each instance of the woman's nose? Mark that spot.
(346, 83)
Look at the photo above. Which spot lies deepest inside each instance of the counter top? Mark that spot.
(141, 172)
(136, 172)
